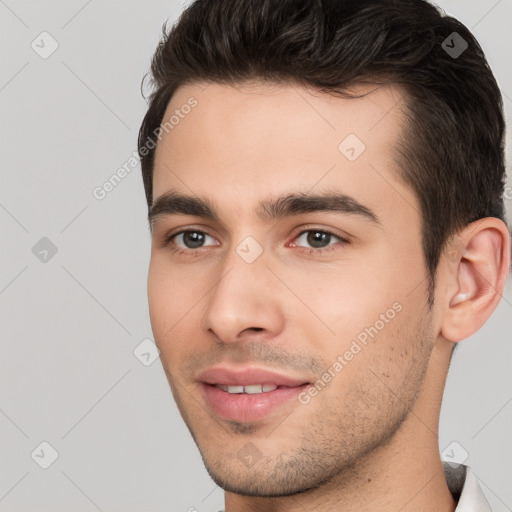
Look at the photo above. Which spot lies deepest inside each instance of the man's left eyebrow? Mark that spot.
(296, 204)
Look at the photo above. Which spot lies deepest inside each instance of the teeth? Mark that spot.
(251, 390)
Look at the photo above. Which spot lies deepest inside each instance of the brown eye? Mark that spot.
(191, 239)
(316, 239)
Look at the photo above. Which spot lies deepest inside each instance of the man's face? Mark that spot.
(325, 299)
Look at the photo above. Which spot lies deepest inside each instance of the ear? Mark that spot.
(478, 261)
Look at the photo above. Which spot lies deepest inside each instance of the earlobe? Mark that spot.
(479, 270)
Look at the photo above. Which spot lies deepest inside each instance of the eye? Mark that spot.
(317, 239)
(192, 239)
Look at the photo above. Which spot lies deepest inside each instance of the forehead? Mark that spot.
(240, 144)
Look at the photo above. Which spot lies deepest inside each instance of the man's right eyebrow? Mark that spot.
(173, 203)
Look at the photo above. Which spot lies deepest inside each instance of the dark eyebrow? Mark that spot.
(295, 204)
(174, 203)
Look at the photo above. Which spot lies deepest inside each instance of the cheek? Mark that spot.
(172, 291)
(161, 296)
(168, 302)
(177, 298)
(365, 302)
(383, 360)
(344, 299)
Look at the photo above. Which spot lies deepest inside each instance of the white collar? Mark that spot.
(465, 489)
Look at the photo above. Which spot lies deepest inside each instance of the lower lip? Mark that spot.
(245, 407)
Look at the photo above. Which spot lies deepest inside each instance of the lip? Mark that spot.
(246, 377)
(243, 407)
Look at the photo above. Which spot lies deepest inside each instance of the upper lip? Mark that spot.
(246, 377)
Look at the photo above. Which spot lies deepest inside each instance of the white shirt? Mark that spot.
(464, 487)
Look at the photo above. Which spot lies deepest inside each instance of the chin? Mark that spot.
(265, 480)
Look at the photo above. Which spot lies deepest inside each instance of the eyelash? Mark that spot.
(310, 251)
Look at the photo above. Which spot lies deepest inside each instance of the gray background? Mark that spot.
(70, 324)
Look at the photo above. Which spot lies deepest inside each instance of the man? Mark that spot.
(324, 183)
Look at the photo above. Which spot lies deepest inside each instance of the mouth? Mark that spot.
(248, 395)
(251, 389)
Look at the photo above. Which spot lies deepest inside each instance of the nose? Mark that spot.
(244, 303)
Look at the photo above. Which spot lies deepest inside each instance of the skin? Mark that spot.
(368, 439)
